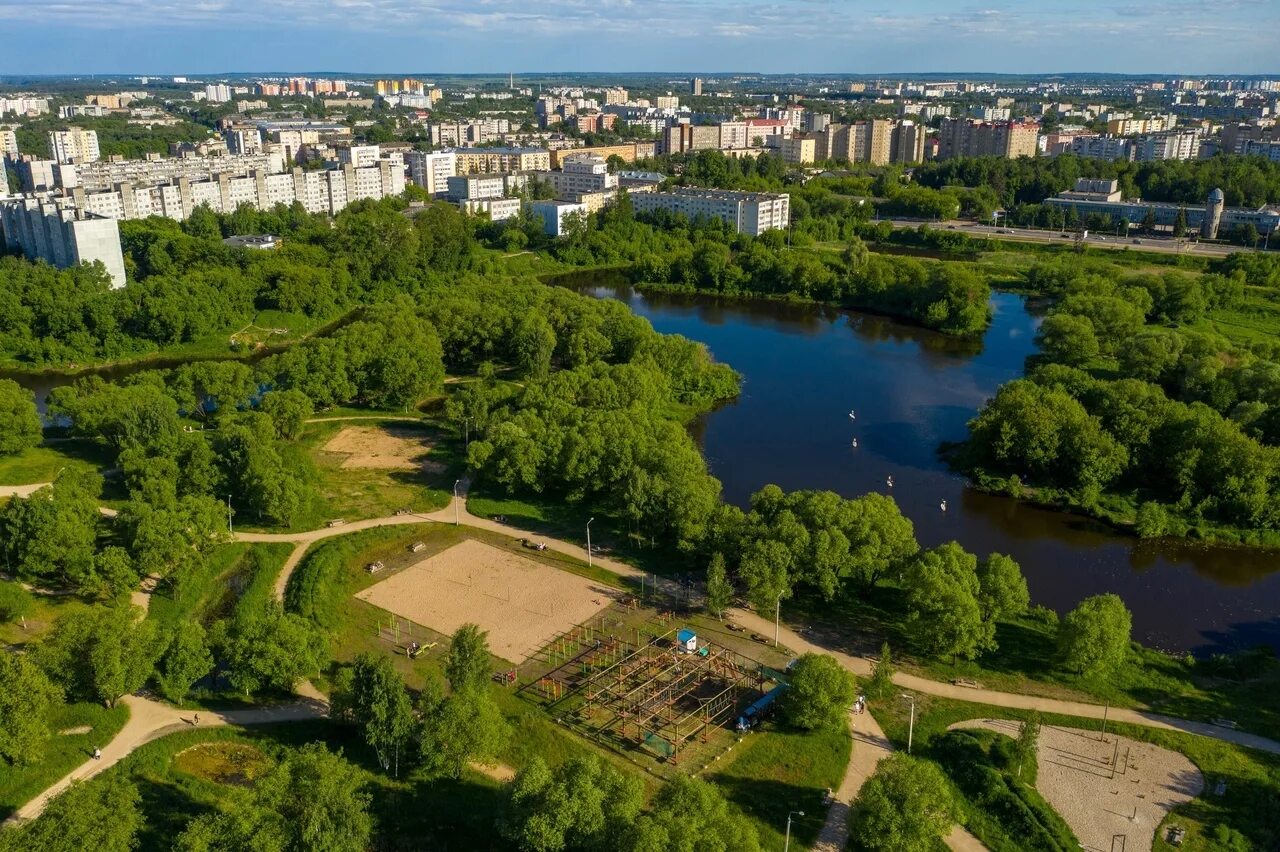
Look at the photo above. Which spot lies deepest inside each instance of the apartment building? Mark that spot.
(21, 105)
(861, 142)
(497, 209)
(360, 156)
(467, 132)
(628, 152)
(967, 138)
(243, 141)
(73, 145)
(8, 143)
(667, 101)
(488, 160)
(43, 230)
(1270, 150)
(476, 187)
(733, 134)
(907, 142)
(555, 215)
(682, 138)
(217, 93)
(1102, 147)
(750, 213)
(580, 174)
(798, 150)
(432, 171)
(105, 174)
(1175, 145)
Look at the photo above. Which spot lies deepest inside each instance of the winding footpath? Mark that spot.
(150, 720)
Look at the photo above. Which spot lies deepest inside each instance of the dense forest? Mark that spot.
(1128, 399)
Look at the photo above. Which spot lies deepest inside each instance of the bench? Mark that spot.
(374, 567)
(965, 682)
(336, 522)
(417, 547)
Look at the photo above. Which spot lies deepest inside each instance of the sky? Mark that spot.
(771, 36)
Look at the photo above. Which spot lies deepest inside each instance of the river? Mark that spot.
(805, 367)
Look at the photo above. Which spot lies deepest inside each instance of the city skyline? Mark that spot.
(641, 36)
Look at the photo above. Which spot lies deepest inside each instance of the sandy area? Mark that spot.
(372, 447)
(1077, 780)
(521, 603)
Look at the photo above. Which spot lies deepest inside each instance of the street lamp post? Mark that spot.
(777, 619)
(911, 728)
(787, 845)
(456, 519)
(589, 542)
(230, 531)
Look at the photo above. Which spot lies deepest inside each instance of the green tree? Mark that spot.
(583, 805)
(1028, 739)
(1068, 339)
(101, 654)
(20, 426)
(532, 345)
(185, 661)
(1002, 590)
(692, 814)
(1094, 637)
(27, 697)
(1180, 223)
(16, 603)
(946, 618)
(288, 410)
(882, 671)
(719, 589)
(104, 815)
(51, 535)
(1152, 520)
(311, 800)
(460, 728)
(372, 694)
(468, 666)
(267, 649)
(906, 806)
(820, 693)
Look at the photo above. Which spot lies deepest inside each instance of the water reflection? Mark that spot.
(804, 367)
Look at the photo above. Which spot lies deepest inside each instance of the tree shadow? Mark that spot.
(769, 802)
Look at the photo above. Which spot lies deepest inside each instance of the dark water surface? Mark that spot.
(805, 367)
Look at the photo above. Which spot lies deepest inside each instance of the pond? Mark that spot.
(806, 367)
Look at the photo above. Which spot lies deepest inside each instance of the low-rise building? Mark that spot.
(750, 213)
(497, 209)
(1103, 198)
(556, 215)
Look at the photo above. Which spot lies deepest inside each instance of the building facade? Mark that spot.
(750, 213)
(961, 137)
(74, 145)
(44, 230)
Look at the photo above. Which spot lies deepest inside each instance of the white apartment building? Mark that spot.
(8, 143)
(155, 169)
(734, 134)
(580, 174)
(360, 156)
(44, 230)
(218, 93)
(88, 110)
(73, 145)
(23, 105)
(750, 213)
(667, 101)
(243, 141)
(432, 171)
(1102, 147)
(1177, 145)
(497, 209)
(475, 187)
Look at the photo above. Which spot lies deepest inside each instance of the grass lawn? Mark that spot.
(47, 609)
(20, 784)
(774, 770)
(361, 489)
(42, 464)
(1251, 804)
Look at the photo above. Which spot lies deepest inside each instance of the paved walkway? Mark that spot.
(22, 490)
(149, 720)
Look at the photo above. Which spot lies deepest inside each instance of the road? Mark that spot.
(1163, 245)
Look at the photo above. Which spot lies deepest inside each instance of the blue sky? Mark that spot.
(839, 36)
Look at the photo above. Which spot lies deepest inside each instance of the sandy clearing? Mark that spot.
(380, 448)
(1077, 780)
(521, 603)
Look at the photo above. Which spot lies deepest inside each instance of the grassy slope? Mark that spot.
(20, 784)
(1253, 778)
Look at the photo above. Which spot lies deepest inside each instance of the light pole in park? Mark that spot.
(777, 618)
(911, 728)
(230, 531)
(456, 520)
(589, 541)
(790, 814)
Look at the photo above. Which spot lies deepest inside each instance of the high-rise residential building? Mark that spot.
(1096, 147)
(750, 213)
(580, 174)
(73, 145)
(861, 142)
(667, 101)
(44, 230)
(217, 93)
(614, 95)
(8, 143)
(245, 140)
(360, 156)
(680, 138)
(798, 150)
(485, 160)
(432, 171)
(24, 105)
(961, 137)
(907, 142)
(695, 86)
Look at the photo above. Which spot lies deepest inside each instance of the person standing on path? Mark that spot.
(97, 753)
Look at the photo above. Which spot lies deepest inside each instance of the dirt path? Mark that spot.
(338, 418)
(22, 490)
(870, 746)
(149, 720)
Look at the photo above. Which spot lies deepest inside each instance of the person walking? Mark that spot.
(195, 720)
(97, 753)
